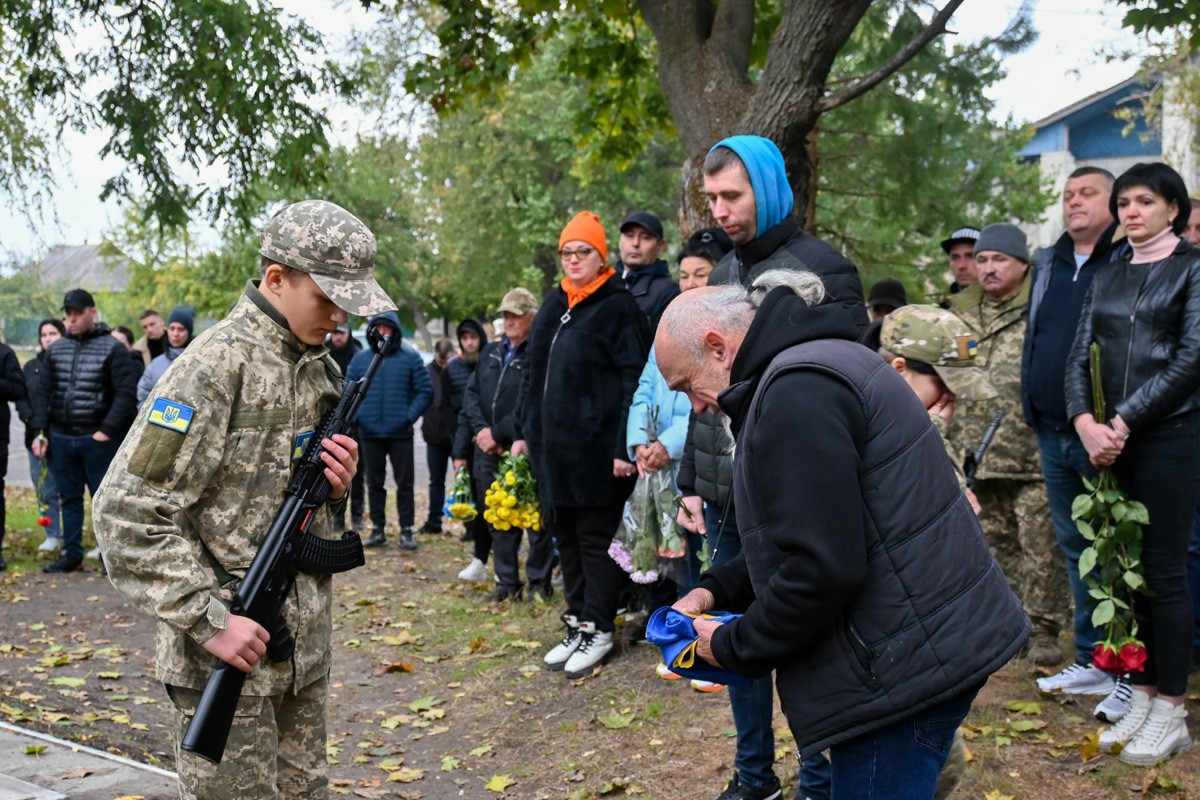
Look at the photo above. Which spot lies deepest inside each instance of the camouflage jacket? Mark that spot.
(1001, 331)
(198, 480)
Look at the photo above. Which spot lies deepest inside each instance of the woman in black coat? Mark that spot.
(1144, 312)
(50, 330)
(586, 351)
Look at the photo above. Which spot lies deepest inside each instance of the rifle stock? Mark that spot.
(973, 460)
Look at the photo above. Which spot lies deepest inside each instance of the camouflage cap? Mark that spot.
(934, 336)
(334, 247)
(519, 301)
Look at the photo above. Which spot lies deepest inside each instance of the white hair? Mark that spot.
(732, 307)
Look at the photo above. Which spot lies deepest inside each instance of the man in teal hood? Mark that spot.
(748, 193)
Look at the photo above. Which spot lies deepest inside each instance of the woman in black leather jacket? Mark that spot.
(1144, 311)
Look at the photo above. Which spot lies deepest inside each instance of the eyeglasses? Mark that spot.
(582, 253)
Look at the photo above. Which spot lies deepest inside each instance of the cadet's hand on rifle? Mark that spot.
(241, 644)
(341, 463)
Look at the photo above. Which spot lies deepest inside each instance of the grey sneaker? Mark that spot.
(1077, 679)
(1116, 705)
(407, 542)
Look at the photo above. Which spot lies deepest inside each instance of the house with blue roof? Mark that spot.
(1094, 132)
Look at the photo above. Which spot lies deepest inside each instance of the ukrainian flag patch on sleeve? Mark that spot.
(170, 414)
(301, 443)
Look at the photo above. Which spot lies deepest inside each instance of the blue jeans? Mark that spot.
(1193, 575)
(754, 705)
(77, 462)
(1064, 465)
(48, 495)
(437, 459)
(901, 761)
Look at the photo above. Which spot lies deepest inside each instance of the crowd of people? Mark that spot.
(821, 445)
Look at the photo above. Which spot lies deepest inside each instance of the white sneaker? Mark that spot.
(52, 544)
(593, 649)
(93, 553)
(1116, 705)
(1077, 679)
(475, 572)
(1163, 735)
(556, 659)
(1130, 724)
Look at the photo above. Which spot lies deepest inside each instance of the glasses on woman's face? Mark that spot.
(582, 253)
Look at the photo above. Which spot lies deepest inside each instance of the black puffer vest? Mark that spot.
(82, 391)
(934, 615)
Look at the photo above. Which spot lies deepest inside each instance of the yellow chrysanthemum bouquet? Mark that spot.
(460, 505)
(512, 499)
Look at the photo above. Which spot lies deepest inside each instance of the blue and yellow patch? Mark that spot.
(301, 443)
(170, 414)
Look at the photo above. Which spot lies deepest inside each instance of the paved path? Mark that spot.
(64, 769)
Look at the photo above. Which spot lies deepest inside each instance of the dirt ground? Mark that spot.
(437, 693)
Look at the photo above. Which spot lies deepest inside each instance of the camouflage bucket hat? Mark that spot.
(334, 247)
(938, 338)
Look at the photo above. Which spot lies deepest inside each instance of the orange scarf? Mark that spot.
(577, 296)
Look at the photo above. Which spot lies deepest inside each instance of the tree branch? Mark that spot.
(936, 27)
(733, 31)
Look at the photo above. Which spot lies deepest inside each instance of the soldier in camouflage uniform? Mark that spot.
(199, 479)
(934, 351)
(1016, 514)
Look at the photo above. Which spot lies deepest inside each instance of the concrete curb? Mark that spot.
(67, 769)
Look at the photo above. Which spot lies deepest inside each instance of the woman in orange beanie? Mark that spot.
(586, 351)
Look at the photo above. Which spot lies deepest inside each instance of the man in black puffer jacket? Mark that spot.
(85, 406)
(879, 608)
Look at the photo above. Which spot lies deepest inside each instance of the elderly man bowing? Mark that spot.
(865, 580)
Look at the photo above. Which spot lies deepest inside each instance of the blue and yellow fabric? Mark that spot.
(673, 632)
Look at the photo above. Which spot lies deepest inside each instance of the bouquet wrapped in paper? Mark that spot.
(460, 505)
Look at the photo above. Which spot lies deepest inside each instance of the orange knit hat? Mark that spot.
(585, 227)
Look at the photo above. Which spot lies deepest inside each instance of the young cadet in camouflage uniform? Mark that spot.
(934, 351)
(198, 480)
(1016, 512)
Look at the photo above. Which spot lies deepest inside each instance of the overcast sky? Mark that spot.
(1066, 64)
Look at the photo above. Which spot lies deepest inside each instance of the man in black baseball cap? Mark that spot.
(94, 376)
(960, 248)
(646, 275)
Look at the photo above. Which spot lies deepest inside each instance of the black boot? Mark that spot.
(377, 540)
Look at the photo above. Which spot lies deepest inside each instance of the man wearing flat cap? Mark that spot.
(646, 275)
(1015, 510)
(959, 248)
(87, 400)
(199, 479)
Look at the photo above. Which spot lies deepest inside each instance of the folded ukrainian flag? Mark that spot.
(675, 635)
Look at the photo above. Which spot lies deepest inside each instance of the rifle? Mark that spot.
(973, 460)
(288, 548)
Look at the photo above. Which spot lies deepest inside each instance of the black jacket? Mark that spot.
(35, 371)
(89, 385)
(865, 578)
(438, 423)
(1147, 322)
(787, 246)
(491, 402)
(1061, 256)
(653, 288)
(344, 355)
(12, 389)
(576, 392)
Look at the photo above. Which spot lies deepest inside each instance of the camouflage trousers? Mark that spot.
(276, 748)
(1015, 517)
